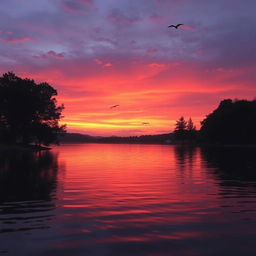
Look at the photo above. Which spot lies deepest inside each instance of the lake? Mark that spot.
(136, 200)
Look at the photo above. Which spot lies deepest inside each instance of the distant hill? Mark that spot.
(76, 138)
(144, 139)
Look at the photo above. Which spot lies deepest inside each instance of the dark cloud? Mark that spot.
(53, 54)
(50, 54)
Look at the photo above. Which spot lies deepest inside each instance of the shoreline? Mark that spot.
(23, 147)
(36, 148)
(172, 144)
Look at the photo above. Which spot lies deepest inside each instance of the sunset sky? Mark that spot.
(99, 53)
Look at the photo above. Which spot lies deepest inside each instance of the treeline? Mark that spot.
(185, 131)
(28, 111)
(143, 139)
(233, 122)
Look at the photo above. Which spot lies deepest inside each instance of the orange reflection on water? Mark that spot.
(135, 192)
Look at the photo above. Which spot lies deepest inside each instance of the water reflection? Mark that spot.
(28, 183)
(186, 156)
(232, 166)
(132, 200)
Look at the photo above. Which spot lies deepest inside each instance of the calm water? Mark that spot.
(137, 200)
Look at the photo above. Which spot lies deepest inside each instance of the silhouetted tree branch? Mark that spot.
(28, 111)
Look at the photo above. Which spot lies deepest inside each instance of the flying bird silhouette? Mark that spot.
(175, 26)
(114, 106)
(145, 123)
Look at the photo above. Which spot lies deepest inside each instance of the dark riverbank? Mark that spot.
(23, 147)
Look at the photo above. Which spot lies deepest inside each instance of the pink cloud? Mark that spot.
(151, 51)
(187, 27)
(156, 18)
(98, 61)
(108, 65)
(101, 63)
(18, 40)
(10, 37)
(87, 2)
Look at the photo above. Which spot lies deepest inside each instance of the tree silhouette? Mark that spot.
(28, 111)
(180, 129)
(232, 122)
(190, 125)
(185, 130)
(191, 130)
(181, 124)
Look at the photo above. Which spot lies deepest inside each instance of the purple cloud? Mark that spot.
(11, 37)
(50, 54)
(76, 5)
(117, 17)
(53, 54)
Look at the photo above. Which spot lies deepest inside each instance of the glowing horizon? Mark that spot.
(101, 54)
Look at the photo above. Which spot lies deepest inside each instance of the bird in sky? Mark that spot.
(114, 106)
(175, 26)
(145, 123)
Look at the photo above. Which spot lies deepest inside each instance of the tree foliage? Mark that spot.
(184, 130)
(232, 122)
(28, 111)
(190, 125)
(181, 124)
